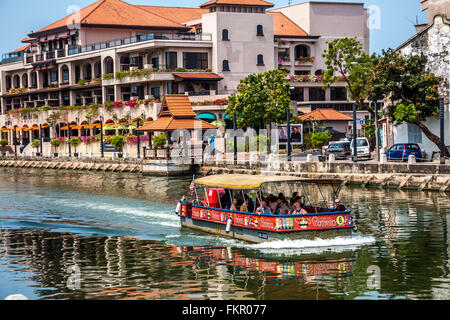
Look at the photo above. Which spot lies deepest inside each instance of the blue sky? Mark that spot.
(19, 17)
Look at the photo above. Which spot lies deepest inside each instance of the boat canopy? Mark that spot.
(251, 182)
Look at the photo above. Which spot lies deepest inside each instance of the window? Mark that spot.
(225, 65)
(225, 35)
(259, 31)
(65, 74)
(338, 94)
(171, 60)
(298, 94)
(156, 93)
(195, 60)
(301, 51)
(316, 94)
(260, 60)
(302, 72)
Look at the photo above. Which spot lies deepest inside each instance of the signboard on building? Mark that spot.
(296, 134)
(109, 148)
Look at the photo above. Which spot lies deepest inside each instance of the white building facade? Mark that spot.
(121, 55)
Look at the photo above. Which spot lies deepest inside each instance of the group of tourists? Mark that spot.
(270, 205)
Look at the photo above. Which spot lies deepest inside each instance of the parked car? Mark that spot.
(363, 148)
(402, 151)
(324, 149)
(341, 150)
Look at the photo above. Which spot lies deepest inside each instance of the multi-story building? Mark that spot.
(113, 51)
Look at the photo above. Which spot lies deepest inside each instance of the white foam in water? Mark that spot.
(291, 247)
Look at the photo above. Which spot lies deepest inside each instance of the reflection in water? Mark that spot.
(120, 230)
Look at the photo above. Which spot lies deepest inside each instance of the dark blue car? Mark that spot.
(402, 151)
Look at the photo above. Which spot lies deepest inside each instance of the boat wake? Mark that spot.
(305, 246)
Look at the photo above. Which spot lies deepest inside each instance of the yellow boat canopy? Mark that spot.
(249, 182)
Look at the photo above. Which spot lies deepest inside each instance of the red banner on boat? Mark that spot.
(275, 223)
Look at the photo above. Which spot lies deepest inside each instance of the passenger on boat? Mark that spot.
(339, 206)
(234, 205)
(282, 208)
(294, 199)
(225, 200)
(248, 205)
(299, 210)
(264, 209)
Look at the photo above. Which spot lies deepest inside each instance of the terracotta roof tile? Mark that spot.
(114, 12)
(177, 106)
(171, 124)
(24, 48)
(283, 26)
(177, 14)
(241, 2)
(326, 115)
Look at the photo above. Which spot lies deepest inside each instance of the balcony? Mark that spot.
(139, 39)
(136, 76)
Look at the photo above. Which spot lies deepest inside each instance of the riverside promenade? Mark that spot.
(419, 176)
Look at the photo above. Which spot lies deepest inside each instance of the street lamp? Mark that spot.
(102, 146)
(138, 135)
(355, 135)
(289, 146)
(375, 107)
(68, 138)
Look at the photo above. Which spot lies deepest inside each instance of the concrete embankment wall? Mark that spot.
(88, 164)
(392, 175)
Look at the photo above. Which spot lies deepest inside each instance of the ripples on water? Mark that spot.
(120, 230)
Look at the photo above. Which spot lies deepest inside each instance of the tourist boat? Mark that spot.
(208, 215)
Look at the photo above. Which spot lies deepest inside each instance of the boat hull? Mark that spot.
(258, 236)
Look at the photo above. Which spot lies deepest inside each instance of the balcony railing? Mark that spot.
(138, 39)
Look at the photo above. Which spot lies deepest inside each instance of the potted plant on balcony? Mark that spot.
(55, 143)
(36, 144)
(75, 142)
(159, 141)
(118, 142)
(3, 144)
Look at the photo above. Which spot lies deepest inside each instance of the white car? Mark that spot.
(363, 148)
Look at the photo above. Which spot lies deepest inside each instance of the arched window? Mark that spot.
(260, 60)
(301, 51)
(225, 65)
(319, 72)
(260, 31)
(225, 35)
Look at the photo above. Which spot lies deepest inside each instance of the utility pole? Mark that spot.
(355, 134)
(442, 111)
(375, 106)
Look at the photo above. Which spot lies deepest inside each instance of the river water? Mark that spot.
(84, 235)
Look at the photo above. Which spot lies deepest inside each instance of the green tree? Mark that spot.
(320, 138)
(261, 99)
(412, 91)
(118, 142)
(3, 143)
(346, 61)
(55, 143)
(53, 120)
(75, 142)
(159, 141)
(36, 144)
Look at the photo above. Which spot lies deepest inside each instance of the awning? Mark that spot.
(247, 182)
(197, 76)
(34, 128)
(207, 117)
